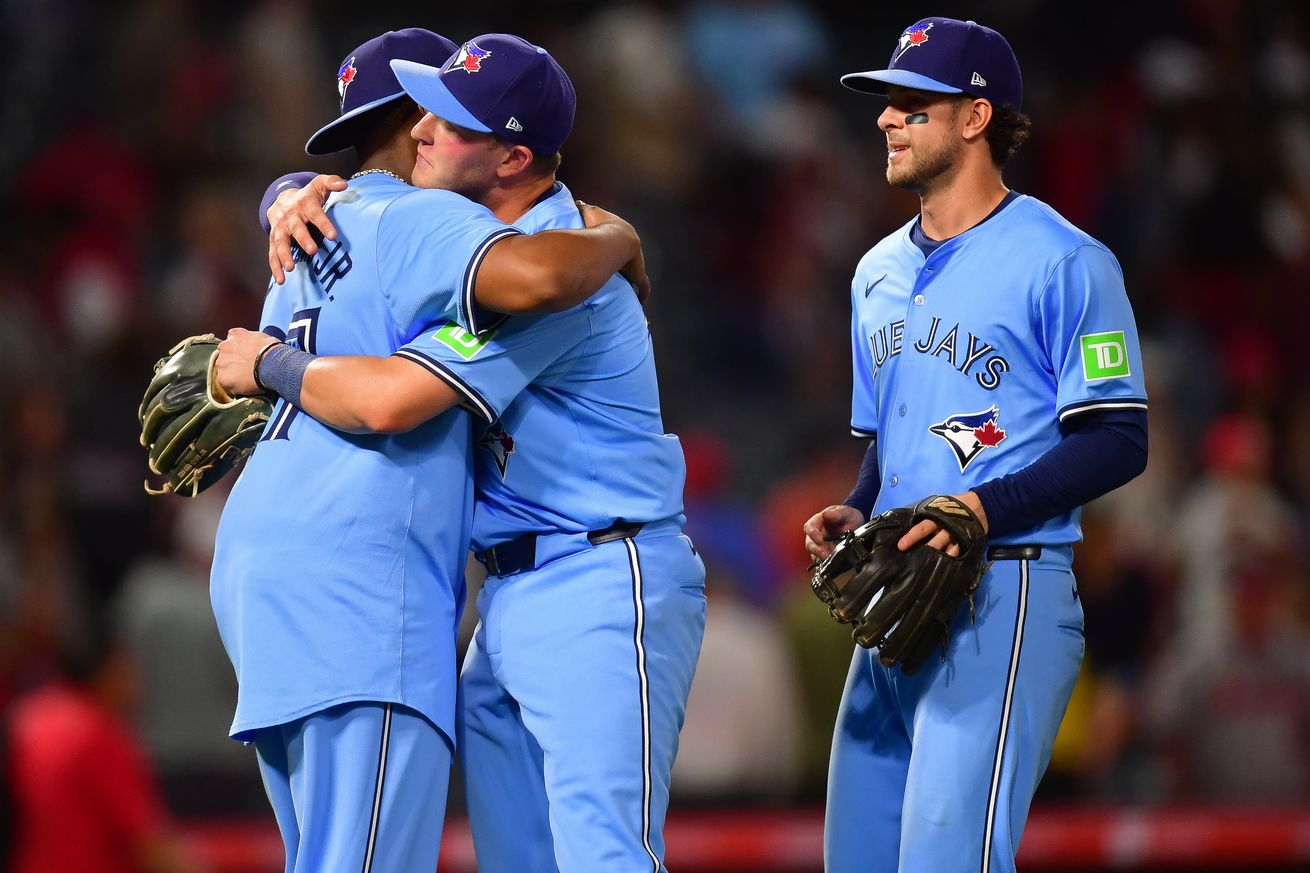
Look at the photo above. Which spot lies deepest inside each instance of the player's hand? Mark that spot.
(826, 526)
(290, 217)
(937, 537)
(235, 368)
(634, 270)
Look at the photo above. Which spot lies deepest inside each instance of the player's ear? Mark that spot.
(518, 159)
(977, 114)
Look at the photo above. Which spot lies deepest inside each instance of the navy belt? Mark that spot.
(520, 553)
(1014, 553)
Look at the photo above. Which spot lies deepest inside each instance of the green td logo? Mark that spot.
(464, 343)
(1105, 355)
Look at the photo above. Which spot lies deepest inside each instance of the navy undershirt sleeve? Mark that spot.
(280, 184)
(866, 488)
(1098, 452)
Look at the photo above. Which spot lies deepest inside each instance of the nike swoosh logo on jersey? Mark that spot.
(871, 285)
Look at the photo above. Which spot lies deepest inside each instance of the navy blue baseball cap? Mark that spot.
(497, 83)
(365, 82)
(948, 56)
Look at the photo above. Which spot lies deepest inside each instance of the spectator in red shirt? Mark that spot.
(84, 796)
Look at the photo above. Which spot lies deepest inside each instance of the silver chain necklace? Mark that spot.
(378, 170)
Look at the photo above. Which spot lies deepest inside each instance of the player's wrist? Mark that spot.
(280, 369)
(982, 495)
(259, 359)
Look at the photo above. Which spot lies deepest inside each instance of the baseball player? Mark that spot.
(338, 574)
(995, 359)
(593, 610)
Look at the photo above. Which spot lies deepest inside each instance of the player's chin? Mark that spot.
(423, 176)
(900, 177)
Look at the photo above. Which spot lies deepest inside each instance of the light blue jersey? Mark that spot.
(338, 573)
(570, 437)
(967, 361)
(576, 682)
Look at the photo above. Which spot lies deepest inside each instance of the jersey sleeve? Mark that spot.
(429, 247)
(277, 186)
(1087, 326)
(488, 370)
(863, 406)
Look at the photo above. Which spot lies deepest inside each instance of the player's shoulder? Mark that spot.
(429, 206)
(556, 209)
(1046, 232)
(891, 250)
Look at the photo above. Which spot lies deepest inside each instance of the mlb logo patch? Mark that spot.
(1105, 355)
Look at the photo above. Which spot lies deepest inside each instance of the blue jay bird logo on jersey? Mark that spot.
(501, 445)
(969, 434)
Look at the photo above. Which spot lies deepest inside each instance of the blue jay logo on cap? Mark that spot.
(914, 35)
(345, 76)
(469, 59)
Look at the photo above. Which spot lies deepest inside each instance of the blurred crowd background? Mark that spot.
(138, 137)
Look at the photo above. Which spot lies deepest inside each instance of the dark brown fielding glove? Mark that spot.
(192, 431)
(903, 603)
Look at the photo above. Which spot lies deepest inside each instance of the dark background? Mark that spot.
(138, 137)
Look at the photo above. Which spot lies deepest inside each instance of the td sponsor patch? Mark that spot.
(1105, 355)
(465, 344)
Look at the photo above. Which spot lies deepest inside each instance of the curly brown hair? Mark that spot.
(1008, 129)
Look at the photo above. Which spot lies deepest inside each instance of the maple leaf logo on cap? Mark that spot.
(345, 76)
(914, 35)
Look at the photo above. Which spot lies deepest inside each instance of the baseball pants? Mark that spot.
(935, 772)
(574, 692)
(357, 788)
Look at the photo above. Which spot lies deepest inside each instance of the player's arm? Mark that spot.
(557, 269)
(525, 277)
(372, 395)
(290, 212)
(1097, 453)
(826, 526)
(357, 394)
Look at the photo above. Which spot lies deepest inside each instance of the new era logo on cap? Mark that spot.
(978, 80)
(513, 124)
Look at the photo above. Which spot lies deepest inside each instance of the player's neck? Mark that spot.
(510, 202)
(393, 159)
(960, 204)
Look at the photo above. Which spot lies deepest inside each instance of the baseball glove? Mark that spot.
(194, 433)
(903, 603)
